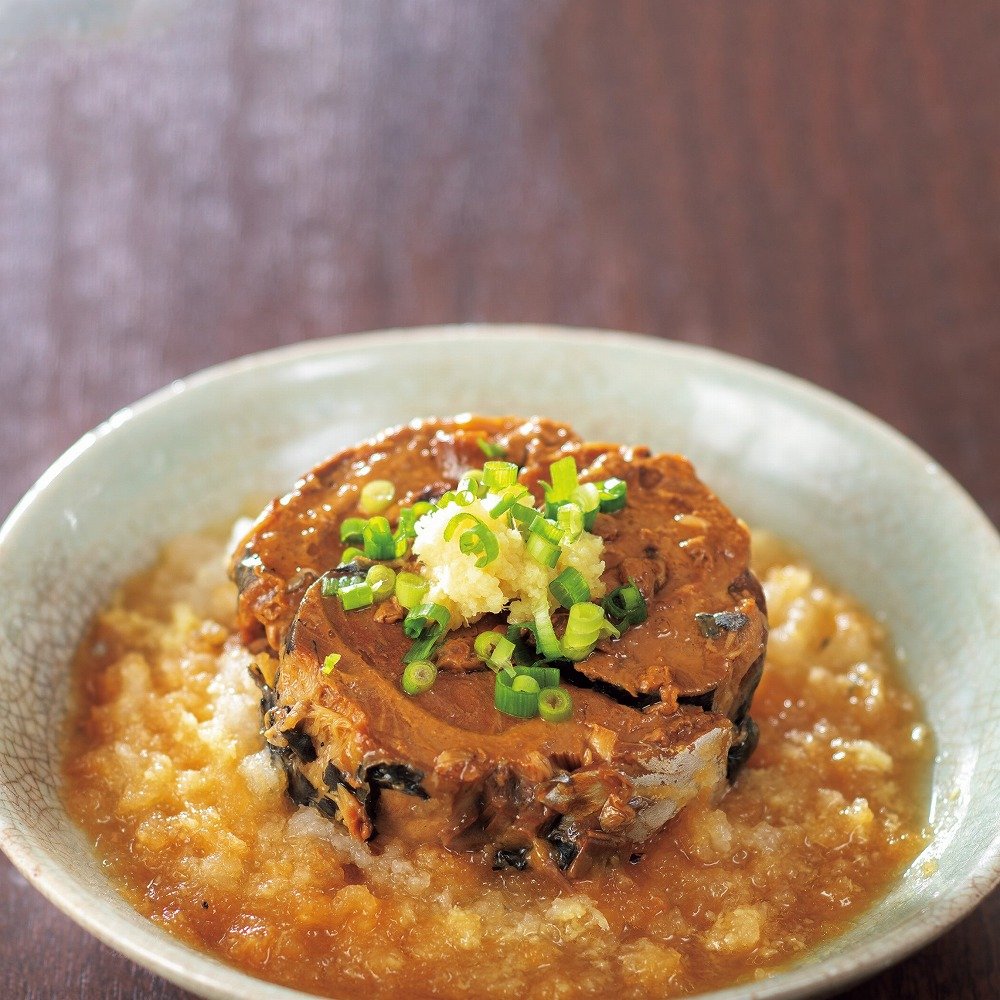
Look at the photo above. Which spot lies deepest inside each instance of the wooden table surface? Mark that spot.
(813, 185)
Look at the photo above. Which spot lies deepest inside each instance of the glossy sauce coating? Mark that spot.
(660, 715)
(674, 537)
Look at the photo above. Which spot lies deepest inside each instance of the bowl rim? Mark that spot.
(199, 971)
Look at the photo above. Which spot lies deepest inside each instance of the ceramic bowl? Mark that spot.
(875, 514)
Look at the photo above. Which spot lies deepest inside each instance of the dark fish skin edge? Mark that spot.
(516, 858)
(301, 747)
(398, 777)
(401, 778)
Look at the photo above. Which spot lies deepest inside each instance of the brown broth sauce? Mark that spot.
(164, 770)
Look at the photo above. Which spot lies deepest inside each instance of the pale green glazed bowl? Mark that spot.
(875, 513)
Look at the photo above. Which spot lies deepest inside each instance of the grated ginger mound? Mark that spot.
(513, 578)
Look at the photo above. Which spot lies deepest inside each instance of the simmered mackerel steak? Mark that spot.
(660, 714)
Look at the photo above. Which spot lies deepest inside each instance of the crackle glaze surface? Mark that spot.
(869, 509)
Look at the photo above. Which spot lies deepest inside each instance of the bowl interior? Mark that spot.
(875, 515)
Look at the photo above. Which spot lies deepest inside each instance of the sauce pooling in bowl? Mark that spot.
(165, 769)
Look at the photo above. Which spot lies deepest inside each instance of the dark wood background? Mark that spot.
(814, 185)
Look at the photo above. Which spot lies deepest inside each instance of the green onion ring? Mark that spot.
(410, 589)
(520, 704)
(378, 539)
(569, 587)
(570, 517)
(419, 677)
(351, 554)
(354, 596)
(485, 644)
(522, 682)
(424, 617)
(376, 495)
(544, 552)
(499, 475)
(382, 580)
(613, 494)
(545, 635)
(352, 528)
(555, 704)
(546, 677)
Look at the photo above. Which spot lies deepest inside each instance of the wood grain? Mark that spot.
(813, 185)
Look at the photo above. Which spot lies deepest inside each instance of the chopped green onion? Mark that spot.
(522, 513)
(569, 587)
(419, 677)
(522, 651)
(494, 649)
(410, 589)
(434, 617)
(564, 480)
(354, 596)
(541, 525)
(545, 635)
(547, 677)
(508, 497)
(376, 496)
(404, 534)
(522, 682)
(587, 497)
(352, 529)
(485, 644)
(555, 704)
(422, 507)
(584, 629)
(332, 659)
(382, 580)
(614, 494)
(499, 475)
(456, 522)
(478, 540)
(379, 543)
(472, 481)
(491, 450)
(405, 526)
(612, 631)
(422, 649)
(501, 655)
(427, 623)
(585, 617)
(350, 554)
(569, 518)
(627, 605)
(520, 704)
(330, 586)
(577, 653)
(544, 552)
(461, 497)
